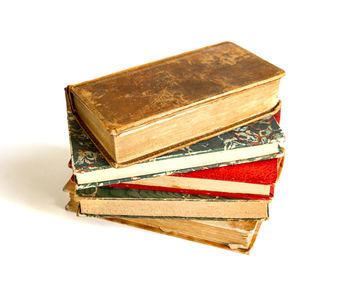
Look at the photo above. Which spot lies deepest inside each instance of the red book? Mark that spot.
(253, 180)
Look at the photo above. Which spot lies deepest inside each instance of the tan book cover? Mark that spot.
(139, 113)
(136, 203)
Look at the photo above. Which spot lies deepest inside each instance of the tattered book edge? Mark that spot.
(73, 206)
(81, 214)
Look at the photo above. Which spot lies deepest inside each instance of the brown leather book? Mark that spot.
(149, 110)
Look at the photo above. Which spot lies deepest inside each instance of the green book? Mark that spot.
(136, 203)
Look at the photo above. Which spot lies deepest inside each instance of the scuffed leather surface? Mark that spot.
(143, 93)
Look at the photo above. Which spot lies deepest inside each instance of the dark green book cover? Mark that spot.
(137, 203)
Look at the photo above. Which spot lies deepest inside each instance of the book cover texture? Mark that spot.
(87, 158)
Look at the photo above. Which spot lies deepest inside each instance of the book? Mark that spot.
(221, 181)
(254, 142)
(138, 203)
(150, 110)
(254, 181)
(236, 235)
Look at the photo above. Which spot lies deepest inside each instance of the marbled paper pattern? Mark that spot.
(87, 158)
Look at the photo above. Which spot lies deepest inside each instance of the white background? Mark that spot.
(46, 46)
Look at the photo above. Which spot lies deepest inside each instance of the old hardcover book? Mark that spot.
(138, 203)
(146, 111)
(238, 235)
(256, 141)
(254, 181)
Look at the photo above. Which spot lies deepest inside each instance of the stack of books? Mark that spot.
(186, 146)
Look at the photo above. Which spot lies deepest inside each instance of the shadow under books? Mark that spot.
(35, 175)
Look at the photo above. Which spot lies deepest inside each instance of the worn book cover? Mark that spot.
(153, 109)
(139, 203)
(91, 169)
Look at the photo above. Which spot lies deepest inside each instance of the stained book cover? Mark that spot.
(238, 235)
(159, 94)
(86, 158)
(240, 228)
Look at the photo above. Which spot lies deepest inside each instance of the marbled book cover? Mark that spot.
(87, 158)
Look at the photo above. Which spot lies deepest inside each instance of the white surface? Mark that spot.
(45, 47)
